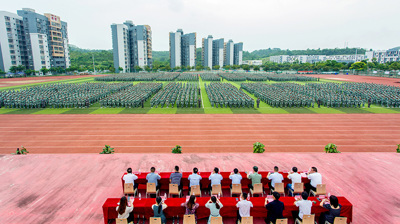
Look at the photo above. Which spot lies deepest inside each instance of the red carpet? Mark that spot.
(72, 188)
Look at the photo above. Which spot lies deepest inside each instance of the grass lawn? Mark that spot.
(206, 105)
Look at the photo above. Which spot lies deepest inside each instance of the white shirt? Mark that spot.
(275, 178)
(236, 178)
(125, 215)
(130, 178)
(244, 208)
(315, 178)
(215, 178)
(304, 207)
(194, 179)
(295, 177)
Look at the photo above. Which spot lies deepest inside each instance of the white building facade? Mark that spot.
(229, 47)
(182, 49)
(131, 46)
(316, 58)
(253, 62)
(383, 56)
(207, 51)
(11, 41)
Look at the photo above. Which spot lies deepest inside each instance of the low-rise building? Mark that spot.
(383, 56)
(253, 62)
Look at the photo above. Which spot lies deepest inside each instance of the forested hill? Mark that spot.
(83, 58)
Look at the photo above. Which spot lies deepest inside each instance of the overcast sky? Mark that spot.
(259, 24)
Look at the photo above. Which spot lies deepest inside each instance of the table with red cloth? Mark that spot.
(164, 181)
(143, 207)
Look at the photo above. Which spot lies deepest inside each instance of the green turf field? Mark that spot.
(207, 109)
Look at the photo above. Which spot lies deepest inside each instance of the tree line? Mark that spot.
(82, 60)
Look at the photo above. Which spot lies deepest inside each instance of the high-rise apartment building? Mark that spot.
(182, 49)
(207, 51)
(175, 56)
(46, 39)
(228, 53)
(12, 41)
(189, 49)
(218, 52)
(223, 54)
(238, 53)
(33, 40)
(131, 46)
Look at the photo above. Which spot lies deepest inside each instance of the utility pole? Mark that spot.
(94, 69)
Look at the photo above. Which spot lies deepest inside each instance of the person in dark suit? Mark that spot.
(275, 208)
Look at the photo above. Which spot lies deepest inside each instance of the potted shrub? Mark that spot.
(23, 151)
(107, 150)
(331, 148)
(258, 147)
(177, 149)
(398, 148)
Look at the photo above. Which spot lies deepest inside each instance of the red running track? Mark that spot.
(360, 78)
(205, 133)
(30, 80)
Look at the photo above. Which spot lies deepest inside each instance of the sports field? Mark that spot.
(206, 105)
(64, 179)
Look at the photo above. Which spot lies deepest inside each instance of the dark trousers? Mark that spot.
(131, 218)
(322, 217)
(239, 218)
(270, 186)
(309, 187)
(295, 215)
(250, 187)
(135, 185)
(268, 220)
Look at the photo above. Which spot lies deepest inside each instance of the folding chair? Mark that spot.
(216, 220)
(195, 190)
(174, 190)
(279, 187)
(121, 221)
(189, 219)
(128, 189)
(307, 219)
(281, 221)
(154, 220)
(338, 220)
(298, 188)
(321, 190)
(257, 190)
(216, 189)
(247, 220)
(236, 189)
(151, 189)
